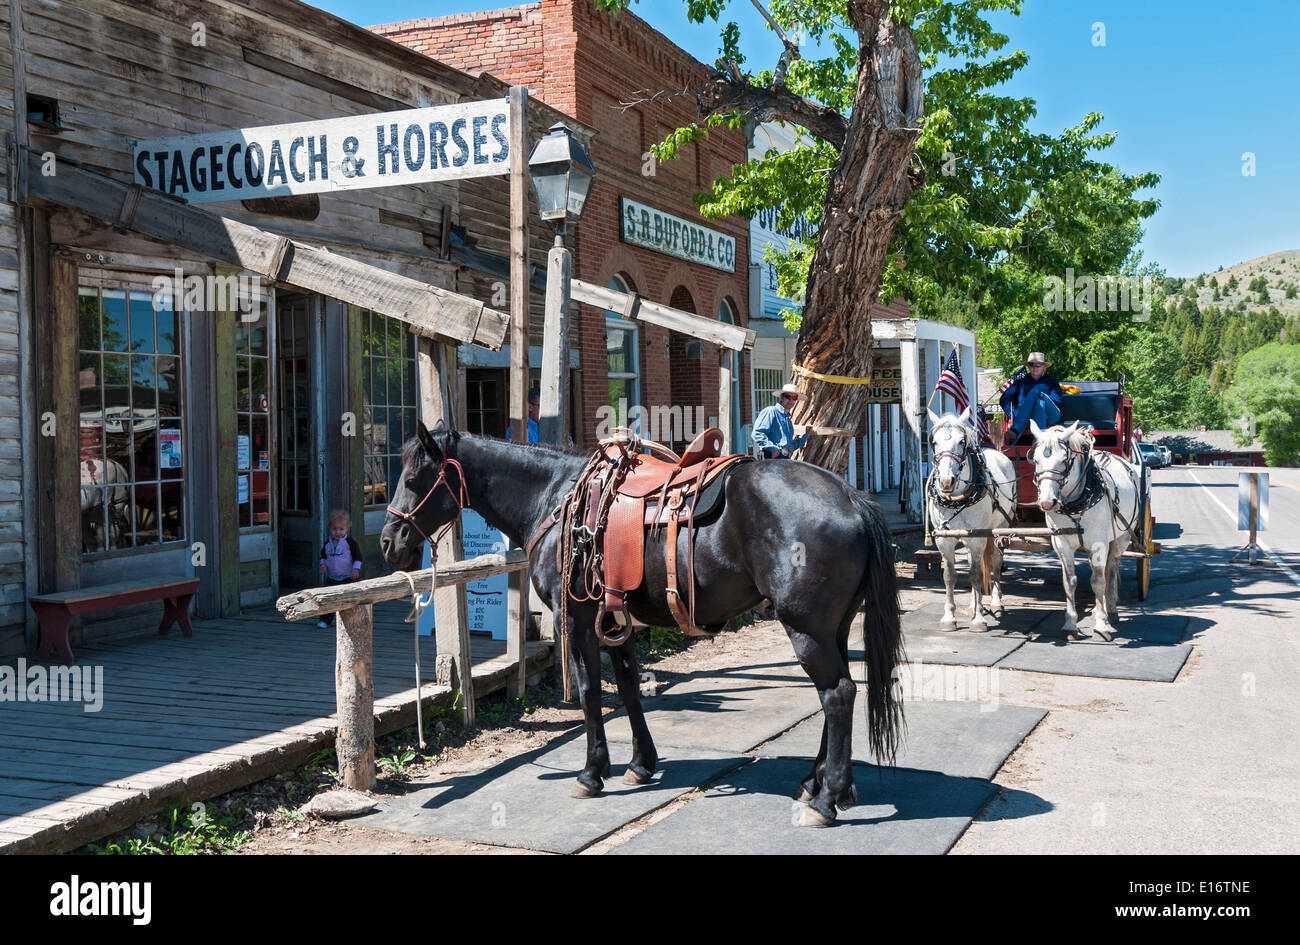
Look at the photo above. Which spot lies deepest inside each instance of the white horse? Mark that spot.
(1093, 490)
(968, 488)
(117, 497)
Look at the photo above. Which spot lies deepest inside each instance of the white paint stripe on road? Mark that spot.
(1295, 578)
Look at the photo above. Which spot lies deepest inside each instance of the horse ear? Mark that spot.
(934, 417)
(1034, 428)
(427, 440)
(965, 415)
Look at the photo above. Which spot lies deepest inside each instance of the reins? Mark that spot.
(418, 605)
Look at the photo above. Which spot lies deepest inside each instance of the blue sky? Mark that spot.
(1189, 85)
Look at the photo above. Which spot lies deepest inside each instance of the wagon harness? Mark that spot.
(1096, 485)
(979, 484)
(418, 605)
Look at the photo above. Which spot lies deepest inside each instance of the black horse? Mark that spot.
(789, 532)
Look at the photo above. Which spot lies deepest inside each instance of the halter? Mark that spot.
(461, 500)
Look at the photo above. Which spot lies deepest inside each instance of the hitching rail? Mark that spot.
(353, 683)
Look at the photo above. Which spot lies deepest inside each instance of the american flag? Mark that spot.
(1020, 372)
(951, 383)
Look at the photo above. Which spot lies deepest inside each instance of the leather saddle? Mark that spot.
(654, 493)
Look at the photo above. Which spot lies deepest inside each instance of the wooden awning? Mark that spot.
(128, 207)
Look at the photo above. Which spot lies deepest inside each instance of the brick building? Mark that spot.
(586, 63)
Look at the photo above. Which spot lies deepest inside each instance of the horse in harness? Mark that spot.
(621, 539)
(968, 489)
(1096, 492)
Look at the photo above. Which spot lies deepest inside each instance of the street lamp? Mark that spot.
(562, 174)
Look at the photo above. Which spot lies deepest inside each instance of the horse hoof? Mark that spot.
(948, 625)
(980, 627)
(804, 796)
(813, 818)
(1106, 633)
(580, 789)
(633, 776)
(1080, 633)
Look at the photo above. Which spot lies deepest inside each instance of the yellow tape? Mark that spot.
(830, 378)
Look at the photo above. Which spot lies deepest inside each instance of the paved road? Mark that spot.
(1208, 763)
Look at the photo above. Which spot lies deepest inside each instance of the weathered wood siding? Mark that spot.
(12, 596)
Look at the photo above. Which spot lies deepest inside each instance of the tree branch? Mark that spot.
(724, 93)
(791, 48)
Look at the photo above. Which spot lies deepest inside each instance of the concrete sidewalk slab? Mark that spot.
(961, 739)
(728, 713)
(525, 802)
(957, 647)
(899, 811)
(1154, 662)
(1134, 624)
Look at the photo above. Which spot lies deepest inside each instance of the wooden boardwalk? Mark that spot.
(181, 719)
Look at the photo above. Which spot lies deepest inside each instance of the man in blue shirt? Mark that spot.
(1032, 396)
(534, 411)
(773, 430)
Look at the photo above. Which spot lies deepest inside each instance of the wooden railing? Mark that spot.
(354, 683)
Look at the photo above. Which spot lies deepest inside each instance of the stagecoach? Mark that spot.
(1103, 406)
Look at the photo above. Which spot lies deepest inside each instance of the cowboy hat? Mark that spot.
(788, 389)
(1037, 357)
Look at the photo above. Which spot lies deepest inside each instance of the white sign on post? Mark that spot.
(487, 604)
(1243, 502)
(385, 149)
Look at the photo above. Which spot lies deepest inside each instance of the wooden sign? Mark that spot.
(385, 149)
(886, 377)
(665, 233)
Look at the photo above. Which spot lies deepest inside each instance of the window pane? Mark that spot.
(243, 384)
(117, 450)
(146, 514)
(166, 318)
(261, 401)
(88, 319)
(142, 334)
(94, 524)
(173, 512)
(114, 320)
(144, 384)
(144, 450)
(257, 335)
(171, 450)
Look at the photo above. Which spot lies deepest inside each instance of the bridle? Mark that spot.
(461, 500)
(959, 458)
(1051, 475)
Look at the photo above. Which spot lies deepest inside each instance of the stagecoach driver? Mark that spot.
(773, 431)
(1034, 395)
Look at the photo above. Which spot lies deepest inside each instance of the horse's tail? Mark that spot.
(882, 632)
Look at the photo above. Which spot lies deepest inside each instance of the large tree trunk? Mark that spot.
(864, 199)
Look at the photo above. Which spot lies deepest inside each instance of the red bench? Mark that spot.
(55, 611)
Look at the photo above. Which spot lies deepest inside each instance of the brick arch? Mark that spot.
(681, 274)
(620, 259)
(730, 288)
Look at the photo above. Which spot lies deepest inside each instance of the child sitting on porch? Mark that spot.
(340, 558)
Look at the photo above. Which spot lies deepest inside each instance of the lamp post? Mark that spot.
(562, 174)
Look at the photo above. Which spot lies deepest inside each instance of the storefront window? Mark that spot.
(390, 407)
(131, 434)
(739, 441)
(623, 364)
(253, 421)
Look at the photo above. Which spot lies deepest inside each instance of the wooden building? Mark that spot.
(148, 431)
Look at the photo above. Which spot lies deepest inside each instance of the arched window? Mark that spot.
(739, 437)
(623, 365)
